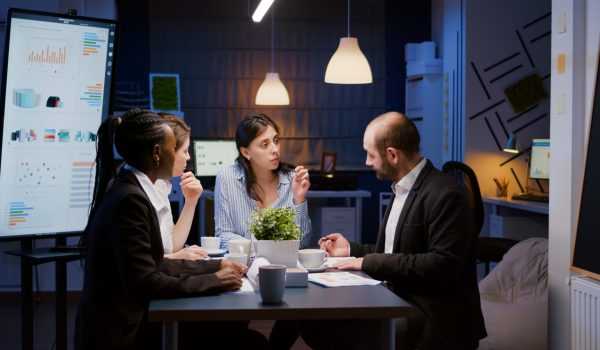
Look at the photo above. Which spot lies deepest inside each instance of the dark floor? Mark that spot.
(44, 332)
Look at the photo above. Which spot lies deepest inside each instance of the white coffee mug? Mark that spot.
(271, 281)
(210, 243)
(312, 258)
(240, 258)
(240, 246)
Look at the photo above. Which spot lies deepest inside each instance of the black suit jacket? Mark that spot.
(125, 269)
(432, 265)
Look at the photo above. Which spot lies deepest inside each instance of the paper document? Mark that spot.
(341, 279)
(246, 287)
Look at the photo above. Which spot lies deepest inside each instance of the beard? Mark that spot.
(386, 172)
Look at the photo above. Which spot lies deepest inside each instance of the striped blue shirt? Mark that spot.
(234, 207)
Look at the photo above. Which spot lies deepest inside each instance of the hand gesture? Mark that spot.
(230, 278)
(335, 244)
(300, 185)
(191, 187)
(189, 253)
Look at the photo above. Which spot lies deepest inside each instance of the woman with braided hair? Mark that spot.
(125, 267)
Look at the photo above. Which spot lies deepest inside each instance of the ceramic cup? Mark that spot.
(271, 281)
(312, 258)
(240, 258)
(210, 243)
(240, 246)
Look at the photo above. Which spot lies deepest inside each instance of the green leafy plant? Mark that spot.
(274, 224)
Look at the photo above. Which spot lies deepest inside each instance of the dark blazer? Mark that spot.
(125, 269)
(433, 264)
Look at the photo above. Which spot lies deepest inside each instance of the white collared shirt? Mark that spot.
(158, 193)
(401, 190)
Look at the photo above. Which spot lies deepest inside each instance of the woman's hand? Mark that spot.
(230, 276)
(300, 185)
(189, 253)
(191, 187)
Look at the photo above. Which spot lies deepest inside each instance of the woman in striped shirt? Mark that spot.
(258, 180)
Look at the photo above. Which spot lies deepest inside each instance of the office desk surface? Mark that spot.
(313, 302)
(534, 207)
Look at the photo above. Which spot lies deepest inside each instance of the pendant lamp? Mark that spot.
(348, 65)
(272, 92)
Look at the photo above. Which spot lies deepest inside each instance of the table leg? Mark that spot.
(169, 336)
(60, 271)
(61, 305)
(26, 299)
(389, 334)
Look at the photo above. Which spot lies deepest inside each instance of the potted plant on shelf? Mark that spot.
(277, 234)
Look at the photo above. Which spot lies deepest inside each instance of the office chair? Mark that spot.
(487, 249)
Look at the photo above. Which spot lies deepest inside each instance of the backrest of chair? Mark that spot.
(465, 177)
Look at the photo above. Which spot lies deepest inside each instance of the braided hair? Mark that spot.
(133, 134)
(247, 130)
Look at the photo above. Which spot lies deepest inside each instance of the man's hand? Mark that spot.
(300, 185)
(350, 264)
(335, 244)
(230, 278)
(189, 253)
(191, 187)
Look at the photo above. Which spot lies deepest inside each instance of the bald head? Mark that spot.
(394, 129)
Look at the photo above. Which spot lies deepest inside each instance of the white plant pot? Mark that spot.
(279, 252)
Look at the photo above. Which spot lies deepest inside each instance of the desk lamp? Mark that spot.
(513, 146)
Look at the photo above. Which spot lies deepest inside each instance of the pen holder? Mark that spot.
(501, 191)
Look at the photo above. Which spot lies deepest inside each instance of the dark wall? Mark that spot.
(133, 63)
(222, 58)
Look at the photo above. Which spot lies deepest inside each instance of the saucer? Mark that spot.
(216, 252)
(316, 269)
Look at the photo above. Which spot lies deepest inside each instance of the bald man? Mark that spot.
(425, 250)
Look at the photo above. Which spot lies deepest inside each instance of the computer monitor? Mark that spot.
(539, 167)
(210, 156)
(57, 78)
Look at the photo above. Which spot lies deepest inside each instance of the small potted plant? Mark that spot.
(277, 234)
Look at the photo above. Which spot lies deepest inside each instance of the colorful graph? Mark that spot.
(26, 98)
(82, 180)
(91, 43)
(41, 50)
(93, 95)
(33, 173)
(18, 213)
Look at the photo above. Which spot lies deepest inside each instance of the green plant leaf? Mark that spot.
(276, 224)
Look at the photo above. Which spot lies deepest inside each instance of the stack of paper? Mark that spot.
(341, 279)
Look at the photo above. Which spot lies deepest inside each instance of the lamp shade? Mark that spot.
(272, 92)
(348, 65)
(512, 145)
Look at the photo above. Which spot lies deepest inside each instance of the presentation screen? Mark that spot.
(210, 156)
(56, 91)
(540, 159)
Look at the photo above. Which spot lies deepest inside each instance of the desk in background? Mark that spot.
(348, 196)
(515, 219)
(313, 302)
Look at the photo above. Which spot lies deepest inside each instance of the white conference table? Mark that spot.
(313, 302)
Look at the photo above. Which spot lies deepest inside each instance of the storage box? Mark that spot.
(296, 277)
